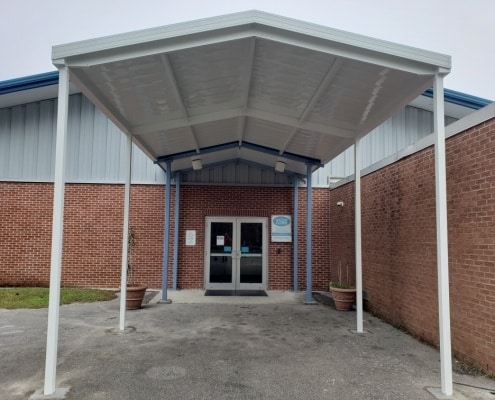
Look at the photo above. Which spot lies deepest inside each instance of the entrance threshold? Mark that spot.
(255, 293)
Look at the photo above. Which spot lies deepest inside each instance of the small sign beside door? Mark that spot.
(281, 228)
(190, 238)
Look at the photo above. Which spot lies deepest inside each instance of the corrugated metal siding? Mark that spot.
(96, 148)
(400, 131)
(237, 173)
(27, 142)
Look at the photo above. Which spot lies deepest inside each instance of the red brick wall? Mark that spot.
(25, 233)
(399, 242)
(198, 202)
(93, 226)
(92, 234)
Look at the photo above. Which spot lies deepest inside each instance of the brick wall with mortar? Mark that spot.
(199, 202)
(92, 234)
(93, 226)
(399, 242)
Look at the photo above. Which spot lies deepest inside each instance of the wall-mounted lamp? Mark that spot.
(340, 203)
(197, 164)
(280, 166)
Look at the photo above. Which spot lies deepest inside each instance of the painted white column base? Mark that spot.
(60, 393)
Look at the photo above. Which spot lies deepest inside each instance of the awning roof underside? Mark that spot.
(250, 86)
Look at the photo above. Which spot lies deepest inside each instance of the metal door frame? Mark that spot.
(236, 254)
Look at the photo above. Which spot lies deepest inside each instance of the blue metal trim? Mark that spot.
(176, 230)
(247, 145)
(295, 241)
(233, 160)
(29, 82)
(460, 99)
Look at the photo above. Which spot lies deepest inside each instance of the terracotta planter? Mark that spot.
(343, 299)
(134, 296)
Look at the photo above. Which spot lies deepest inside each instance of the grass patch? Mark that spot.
(37, 297)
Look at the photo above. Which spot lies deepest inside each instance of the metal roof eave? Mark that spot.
(29, 82)
(244, 24)
(460, 99)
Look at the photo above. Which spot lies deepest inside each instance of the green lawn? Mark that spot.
(36, 297)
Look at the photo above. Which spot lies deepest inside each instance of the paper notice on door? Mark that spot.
(220, 240)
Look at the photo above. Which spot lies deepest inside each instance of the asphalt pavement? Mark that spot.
(219, 348)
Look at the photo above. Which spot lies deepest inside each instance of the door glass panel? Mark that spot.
(251, 263)
(221, 252)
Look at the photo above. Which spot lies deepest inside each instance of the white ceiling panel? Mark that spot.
(276, 88)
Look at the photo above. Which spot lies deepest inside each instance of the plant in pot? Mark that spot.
(135, 292)
(343, 291)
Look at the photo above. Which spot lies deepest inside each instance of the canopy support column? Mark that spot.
(357, 232)
(57, 233)
(442, 239)
(164, 299)
(309, 231)
(125, 232)
(295, 242)
(176, 230)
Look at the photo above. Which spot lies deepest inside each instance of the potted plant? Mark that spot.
(343, 291)
(134, 292)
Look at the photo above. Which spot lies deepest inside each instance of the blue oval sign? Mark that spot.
(281, 221)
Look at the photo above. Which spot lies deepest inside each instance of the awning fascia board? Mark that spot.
(250, 23)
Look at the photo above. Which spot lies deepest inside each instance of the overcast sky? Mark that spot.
(463, 29)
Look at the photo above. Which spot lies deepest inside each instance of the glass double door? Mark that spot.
(235, 253)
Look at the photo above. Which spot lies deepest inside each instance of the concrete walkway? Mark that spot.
(221, 348)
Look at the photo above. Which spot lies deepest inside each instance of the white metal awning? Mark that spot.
(295, 91)
(250, 86)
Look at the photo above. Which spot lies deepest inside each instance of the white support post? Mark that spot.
(57, 233)
(125, 232)
(442, 239)
(357, 224)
